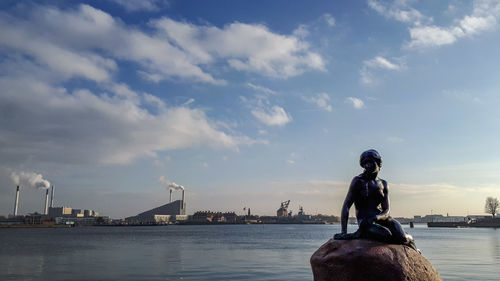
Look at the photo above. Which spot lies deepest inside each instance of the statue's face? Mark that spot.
(371, 166)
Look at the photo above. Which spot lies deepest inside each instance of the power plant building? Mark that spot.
(60, 212)
(173, 211)
(55, 212)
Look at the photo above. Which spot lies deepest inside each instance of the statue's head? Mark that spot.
(370, 157)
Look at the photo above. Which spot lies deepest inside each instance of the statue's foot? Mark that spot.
(411, 243)
(347, 236)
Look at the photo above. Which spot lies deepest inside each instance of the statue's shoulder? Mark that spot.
(383, 182)
(357, 178)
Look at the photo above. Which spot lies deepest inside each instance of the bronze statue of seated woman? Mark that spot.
(370, 196)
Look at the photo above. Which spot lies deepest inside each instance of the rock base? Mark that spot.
(367, 260)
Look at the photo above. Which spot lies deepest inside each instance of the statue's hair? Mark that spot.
(370, 154)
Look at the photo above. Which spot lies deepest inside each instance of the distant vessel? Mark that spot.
(486, 222)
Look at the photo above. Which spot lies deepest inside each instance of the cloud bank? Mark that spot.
(47, 123)
(46, 49)
(87, 42)
(424, 34)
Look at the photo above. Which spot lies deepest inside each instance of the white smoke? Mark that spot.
(30, 179)
(170, 184)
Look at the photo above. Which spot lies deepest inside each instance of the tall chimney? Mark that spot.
(16, 203)
(170, 196)
(46, 211)
(183, 199)
(52, 198)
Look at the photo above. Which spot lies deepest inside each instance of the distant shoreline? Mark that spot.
(35, 226)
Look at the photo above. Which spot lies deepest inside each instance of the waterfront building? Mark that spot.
(77, 213)
(173, 211)
(83, 221)
(60, 212)
(214, 217)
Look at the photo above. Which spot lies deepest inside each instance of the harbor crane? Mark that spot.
(283, 210)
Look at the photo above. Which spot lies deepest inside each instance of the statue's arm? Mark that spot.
(349, 200)
(385, 203)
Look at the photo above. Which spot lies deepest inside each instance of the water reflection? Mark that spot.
(225, 252)
(495, 245)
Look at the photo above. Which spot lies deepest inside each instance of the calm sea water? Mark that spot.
(217, 252)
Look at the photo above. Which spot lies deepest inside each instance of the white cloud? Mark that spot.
(329, 19)
(46, 123)
(245, 47)
(355, 102)
(261, 89)
(378, 62)
(189, 101)
(483, 18)
(302, 31)
(261, 108)
(19, 38)
(87, 42)
(321, 100)
(381, 62)
(398, 10)
(473, 24)
(427, 36)
(75, 43)
(141, 5)
(366, 76)
(424, 34)
(275, 116)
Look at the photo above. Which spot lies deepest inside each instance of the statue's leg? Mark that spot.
(398, 233)
(399, 236)
(377, 232)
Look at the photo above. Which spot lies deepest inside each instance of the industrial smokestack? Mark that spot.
(16, 203)
(183, 198)
(170, 196)
(46, 211)
(52, 198)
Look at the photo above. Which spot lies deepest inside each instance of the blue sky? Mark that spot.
(248, 104)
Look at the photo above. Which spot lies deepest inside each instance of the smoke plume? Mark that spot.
(170, 184)
(30, 179)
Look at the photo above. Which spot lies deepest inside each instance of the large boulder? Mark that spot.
(367, 260)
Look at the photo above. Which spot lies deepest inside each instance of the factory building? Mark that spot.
(55, 212)
(173, 211)
(82, 221)
(77, 213)
(169, 212)
(59, 215)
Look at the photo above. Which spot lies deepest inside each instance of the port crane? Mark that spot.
(283, 210)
